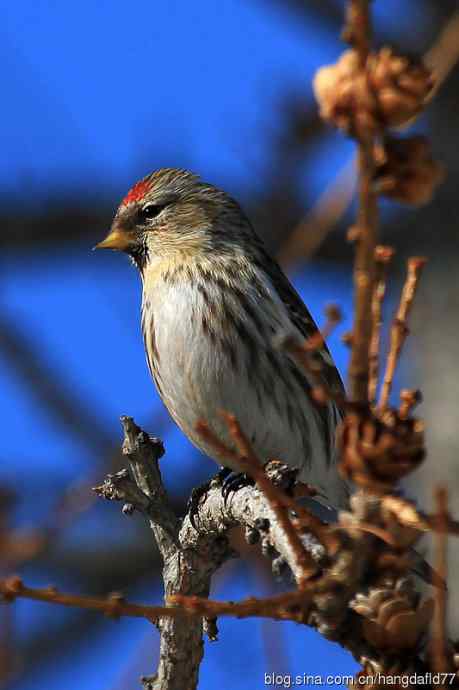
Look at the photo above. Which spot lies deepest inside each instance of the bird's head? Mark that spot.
(171, 213)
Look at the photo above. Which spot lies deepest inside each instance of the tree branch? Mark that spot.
(113, 606)
(191, 557)
(187, 568)
(399, 329)
(383, 256)
(358, 32)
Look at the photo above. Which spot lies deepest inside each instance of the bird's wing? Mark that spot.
(330, 414)
(303, 321)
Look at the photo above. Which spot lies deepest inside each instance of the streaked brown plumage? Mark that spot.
(213, 302)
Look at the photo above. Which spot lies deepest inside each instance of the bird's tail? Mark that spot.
(421, 567)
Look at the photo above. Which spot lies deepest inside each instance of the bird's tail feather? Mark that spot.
(420, 567)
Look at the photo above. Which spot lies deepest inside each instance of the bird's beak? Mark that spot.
(116, 239)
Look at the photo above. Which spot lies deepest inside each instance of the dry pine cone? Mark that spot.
(376, 453)
(406, 171)
(394, 617)
(389, 92)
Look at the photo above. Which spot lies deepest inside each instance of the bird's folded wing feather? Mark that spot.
(303, 321)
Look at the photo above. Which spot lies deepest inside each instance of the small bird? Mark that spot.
(213, 303)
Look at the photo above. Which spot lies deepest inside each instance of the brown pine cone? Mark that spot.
(406, 170)
(394, 617)
(377, 452)
(390, 91)
(344, 96)
(402, 85)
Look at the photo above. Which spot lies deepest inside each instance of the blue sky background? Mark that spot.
(95, 95)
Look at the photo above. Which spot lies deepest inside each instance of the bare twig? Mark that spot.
(113, 606)
(399, 329)
(383, 256)
(290, 606)
(251, 464)
(407, 514)
(358, 32)
(409, 398)
(379, 532)
(333, 317)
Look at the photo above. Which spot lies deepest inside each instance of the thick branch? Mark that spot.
(190, 556)
(185, 570)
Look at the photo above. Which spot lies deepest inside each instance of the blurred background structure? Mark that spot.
(96, 95)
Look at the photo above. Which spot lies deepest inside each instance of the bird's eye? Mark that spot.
(150, 211)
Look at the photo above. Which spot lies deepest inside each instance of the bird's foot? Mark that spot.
(199, 491)
(233, 482)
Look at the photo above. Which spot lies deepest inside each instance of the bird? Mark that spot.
(213, 303)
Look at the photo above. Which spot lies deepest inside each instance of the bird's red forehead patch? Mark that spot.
(137, 192)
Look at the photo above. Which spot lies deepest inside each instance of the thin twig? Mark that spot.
(357, 29)
(290, 606)
(439, 638)
(399, 330)
(383, 256)
(113, 606)
(358, 32)
(333, 317)
(409, 398)
(408, 515)
(377, 531)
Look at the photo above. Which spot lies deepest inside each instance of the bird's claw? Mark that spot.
(193, 502)
(233, 482)
(199, 491)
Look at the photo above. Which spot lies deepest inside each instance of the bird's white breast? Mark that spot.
(203, 362)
